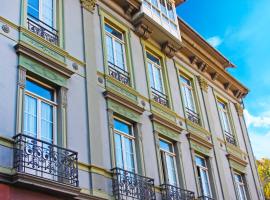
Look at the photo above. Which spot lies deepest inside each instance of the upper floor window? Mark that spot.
(124, 145)
(116, 56)
(225, 122)
(156, 79)
(240, 187)
(168, 162)
(39, 111)
(189, 100)
(164, 11)
(203, 176)
(41, 19)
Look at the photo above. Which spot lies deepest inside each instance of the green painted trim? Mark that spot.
(6, 142)
(42, 71)
(126, 112)
(199, 148)
(8, 171)
(236, 166)
(166, 132)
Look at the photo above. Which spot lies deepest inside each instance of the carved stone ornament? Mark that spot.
(22, 77)
(169, 50)
(202, 66)
(214, 76)
(89, 4)
(203, 83)
(227, 85)
(5, 28)
(132, 7)
(239, 109)
(193, 59)
(143, 31)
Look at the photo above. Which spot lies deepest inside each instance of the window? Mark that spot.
(42, 10)
(203, 177)
(168, 162)
(156, 79)
(189, 102)
(240, 186)
(225, 122)
(39, 111)
(124, 145)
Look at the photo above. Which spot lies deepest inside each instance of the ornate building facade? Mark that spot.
(117, 99)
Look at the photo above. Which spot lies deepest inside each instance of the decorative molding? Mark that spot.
(202, 66)
(203, 83)
(169, 49)
(193, 60)
(214, 76)
(143, 31)
(165, 131)
(200, 148)
(200, 140)
(22, 77)
(227, 85)
(131, 7)
(239, 109)
(89, 5)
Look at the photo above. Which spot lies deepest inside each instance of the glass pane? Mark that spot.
(33, 8)
(170, 11)
(109, 46)
(153, 58)
(154, 2)
(47, 12)
(171, 170)
(119, 53)
(163, 6)
(165, 146)
(30, 116)
(46, 122)
(129, 155)
(200, 161)
(158, 79)
(205, 183)
(189, 98)
(185, 80)
(151, 75)
(242, 192)
(118, 151)
(39, 90)
(122, 127)
(114, 32)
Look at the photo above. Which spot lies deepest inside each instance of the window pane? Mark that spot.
(151, 75)
(46, 122)
(205, 183)
(109, 46)
(163, 6)
(158, 79)
(47, 12)
(165, 146)
(118, 151)
(30, 116)
(171, 170)
(170, 11)
(33, 8)
(185, 80)
(119, 55)
(153, 58)
(200, 161)
(39, 90)
(155, 2)
(129, 155)
(114, 32)
(122, 127)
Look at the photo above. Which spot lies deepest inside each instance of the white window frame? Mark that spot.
(240, 184)
(41, 14)
(39, 100)
(225, 111)
(164, 162)
(114, 38)
(202, 168)
(132, 138)
(189, 87)
(159, 67)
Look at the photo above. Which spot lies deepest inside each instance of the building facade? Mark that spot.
(117, 99)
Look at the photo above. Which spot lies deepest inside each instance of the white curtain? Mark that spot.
(47, 12)
(30, 116)
(46, 122)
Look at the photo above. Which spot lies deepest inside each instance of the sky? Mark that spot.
(240, 30)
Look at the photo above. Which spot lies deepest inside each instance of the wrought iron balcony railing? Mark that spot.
(193, 116)
(42, 29)
(43, 159)
(170, 192)
(159, 97)
(119, 74)
(230, 138)
(205, 198)
(128, 185)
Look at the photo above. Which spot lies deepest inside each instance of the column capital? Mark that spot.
(203, 83)
(239, 109)
(89, 4)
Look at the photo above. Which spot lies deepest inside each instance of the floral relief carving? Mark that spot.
(89, 4)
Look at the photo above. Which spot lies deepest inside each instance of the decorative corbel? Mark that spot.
(169, 49)
(193, 59)
(227, 85)
(237, 93)
(239, 109)
(143, 31)
(214, 76)
(132, 7)
(89, 5)
(203, 83)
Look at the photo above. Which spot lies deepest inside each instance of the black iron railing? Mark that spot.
(128, 185)
(43, 159)
(119, 74)
(193, 116)
(205, 198)
(230, 138)
(170, 192)
(42, 29)
(160, 97)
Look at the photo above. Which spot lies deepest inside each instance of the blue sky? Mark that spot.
(240, 30)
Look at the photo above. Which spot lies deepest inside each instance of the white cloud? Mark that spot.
(262, 121)
(214, 41)
(260, 144)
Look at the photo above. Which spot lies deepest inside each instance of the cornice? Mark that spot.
(237, 160)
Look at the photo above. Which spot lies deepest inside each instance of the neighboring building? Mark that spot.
(117, 99)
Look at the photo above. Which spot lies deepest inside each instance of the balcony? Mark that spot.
(160, 97)
(193, 116)
(230, 138)
(128, 185)
(45, 160)
(119, 74)
(170, 192)
(42, 29)
(205, 198)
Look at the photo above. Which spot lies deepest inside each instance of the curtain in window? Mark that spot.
(118, 151)
(119, 54)
(30, 116)
(171, 170)
(129, 155)
(46, 122)
(158, 81)
(204, 183)
(109, 43)
(151, 75)
(47, 12)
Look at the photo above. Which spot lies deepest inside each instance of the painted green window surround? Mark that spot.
(116, 48)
